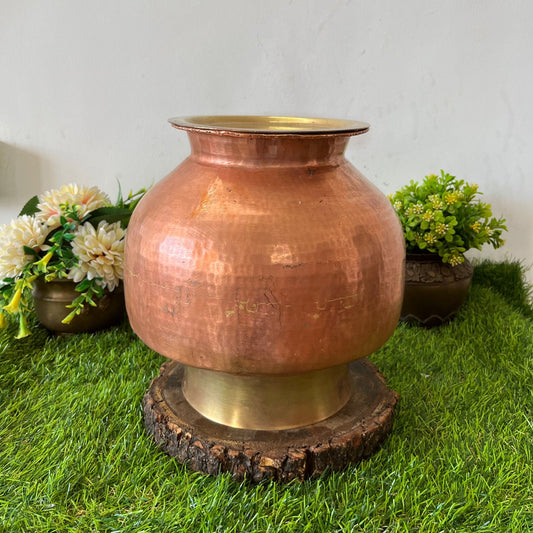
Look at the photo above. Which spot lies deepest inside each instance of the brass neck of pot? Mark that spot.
(267, 402)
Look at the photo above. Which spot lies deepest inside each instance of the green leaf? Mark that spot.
(108, 214)
(83, 285)
(106, 211)
(120, 200)
(98, 289)
(30, 207)
(123, 219)
(30, 251)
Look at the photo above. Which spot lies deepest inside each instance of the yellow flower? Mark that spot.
(456, 260)
(397, 205)
(436, 202)
(418, 209)
(23, 328)
(450, 198)
(101, 253)
(68, 319)
(430, 238)
(476, 226)
(44, 261)
(441, 229)
(14, 304)
(428, 216)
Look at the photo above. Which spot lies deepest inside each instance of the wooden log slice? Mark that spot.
(353, 433)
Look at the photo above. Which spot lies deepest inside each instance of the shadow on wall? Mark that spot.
(20, 178)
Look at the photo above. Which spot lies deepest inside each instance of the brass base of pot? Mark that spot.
(267, 402)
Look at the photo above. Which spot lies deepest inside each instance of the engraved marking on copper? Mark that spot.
(340, 299)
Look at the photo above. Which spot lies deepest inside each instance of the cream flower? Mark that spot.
(86, 199)
(100, 252)
(22, 231)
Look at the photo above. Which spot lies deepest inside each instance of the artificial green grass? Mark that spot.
(74, 455)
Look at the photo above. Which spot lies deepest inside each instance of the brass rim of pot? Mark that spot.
(267, 402)
(268, 125)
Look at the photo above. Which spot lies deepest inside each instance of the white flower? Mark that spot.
(86, 199)
(418, 209)
(22, 231)
(100, 252)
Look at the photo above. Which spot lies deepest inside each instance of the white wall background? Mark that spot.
(86, 88)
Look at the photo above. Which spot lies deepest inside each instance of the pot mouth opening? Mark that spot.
(239, 124)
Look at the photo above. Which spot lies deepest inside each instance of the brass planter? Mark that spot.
(265, 263)
(50, 301)
(434, 291)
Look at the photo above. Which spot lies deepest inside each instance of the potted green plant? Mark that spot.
(442, 218)
(62, 259)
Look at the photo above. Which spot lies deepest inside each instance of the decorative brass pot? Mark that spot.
(265, 263)
(51, 298)
(434, 291)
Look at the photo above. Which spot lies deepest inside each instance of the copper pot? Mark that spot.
(51, 298)
(265, 263)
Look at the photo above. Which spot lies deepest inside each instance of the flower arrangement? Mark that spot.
(442, 215)
(75, 233)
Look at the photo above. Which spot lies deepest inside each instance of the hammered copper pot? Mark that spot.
(265, 263)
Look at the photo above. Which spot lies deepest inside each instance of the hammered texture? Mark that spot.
(264, 254)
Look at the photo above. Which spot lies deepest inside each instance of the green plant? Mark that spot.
(442, 215)
(73, 232)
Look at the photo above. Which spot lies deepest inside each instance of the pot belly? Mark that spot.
(254, 272)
